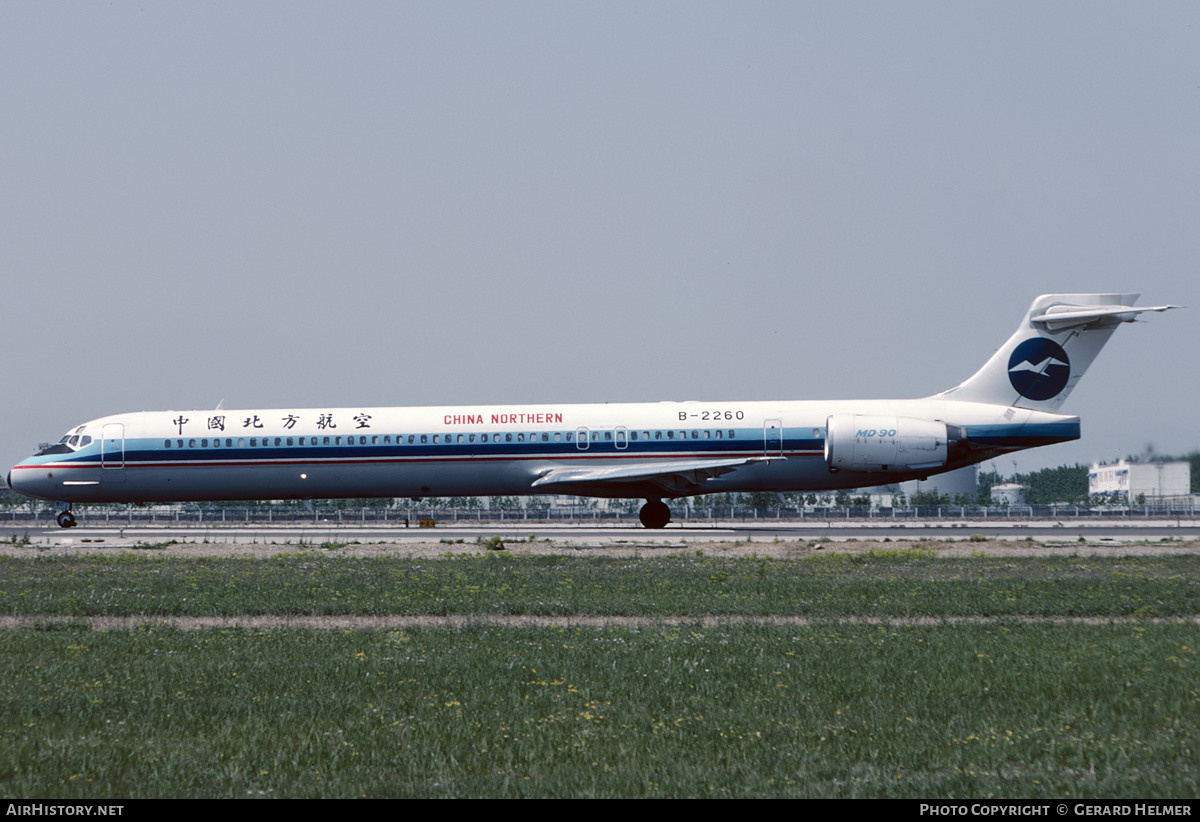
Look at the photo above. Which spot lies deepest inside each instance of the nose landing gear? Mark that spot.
(66, 519)
(655, 514)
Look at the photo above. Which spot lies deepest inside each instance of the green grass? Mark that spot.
(1006, 710)
(881, 584)
(1006, 707)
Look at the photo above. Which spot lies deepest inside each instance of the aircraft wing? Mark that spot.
(672, 476)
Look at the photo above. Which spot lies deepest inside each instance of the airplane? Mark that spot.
(655, 451)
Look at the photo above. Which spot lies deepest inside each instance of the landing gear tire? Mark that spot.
(655, 514)
(66, 519)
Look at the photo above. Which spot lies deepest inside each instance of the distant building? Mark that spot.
(956, 484)
(1148, 480)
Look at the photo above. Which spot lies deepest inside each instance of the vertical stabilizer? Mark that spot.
(1050, 351)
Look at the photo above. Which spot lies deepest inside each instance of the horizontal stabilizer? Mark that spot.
(1067, 316)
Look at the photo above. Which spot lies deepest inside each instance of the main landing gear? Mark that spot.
(655, 514)
(66, 519)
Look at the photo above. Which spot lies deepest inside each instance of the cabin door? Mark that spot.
(773, 438)
(112, 452)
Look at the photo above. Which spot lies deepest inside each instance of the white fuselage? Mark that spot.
(607, 450)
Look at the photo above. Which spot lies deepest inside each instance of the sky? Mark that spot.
(299, 204)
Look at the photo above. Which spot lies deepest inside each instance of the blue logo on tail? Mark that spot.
(1039, 368)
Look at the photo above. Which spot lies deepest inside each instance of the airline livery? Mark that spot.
(655, 451)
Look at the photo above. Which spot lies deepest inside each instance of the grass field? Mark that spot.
(909, 675)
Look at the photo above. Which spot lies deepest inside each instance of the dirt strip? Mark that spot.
(463, 621)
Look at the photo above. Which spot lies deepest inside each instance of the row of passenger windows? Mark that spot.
(453, 439)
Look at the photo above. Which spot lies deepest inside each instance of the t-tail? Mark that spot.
(1050, 351)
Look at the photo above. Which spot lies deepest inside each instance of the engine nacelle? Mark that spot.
(888, 445)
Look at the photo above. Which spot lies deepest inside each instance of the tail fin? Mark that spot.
(1050, 351)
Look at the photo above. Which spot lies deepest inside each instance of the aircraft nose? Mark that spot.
(16, 484)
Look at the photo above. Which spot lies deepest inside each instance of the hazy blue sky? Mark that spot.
(409, 203)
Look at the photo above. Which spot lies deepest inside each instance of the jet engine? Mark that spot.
(891, 445)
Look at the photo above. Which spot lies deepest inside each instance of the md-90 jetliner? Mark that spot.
(655, 451)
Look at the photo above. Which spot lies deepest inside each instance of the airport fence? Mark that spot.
(232, 515)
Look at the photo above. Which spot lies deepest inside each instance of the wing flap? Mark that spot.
(673, 476)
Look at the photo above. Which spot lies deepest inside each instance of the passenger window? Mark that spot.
(191, 443)
(166, 443)
(204, 443)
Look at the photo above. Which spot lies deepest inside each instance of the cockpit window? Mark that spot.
(57, 448)
(70, 442)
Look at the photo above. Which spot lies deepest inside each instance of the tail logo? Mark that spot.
(1039, 368)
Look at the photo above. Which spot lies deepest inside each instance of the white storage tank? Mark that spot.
(1009, 493)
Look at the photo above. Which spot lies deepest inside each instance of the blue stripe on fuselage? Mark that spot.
(147, 451)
